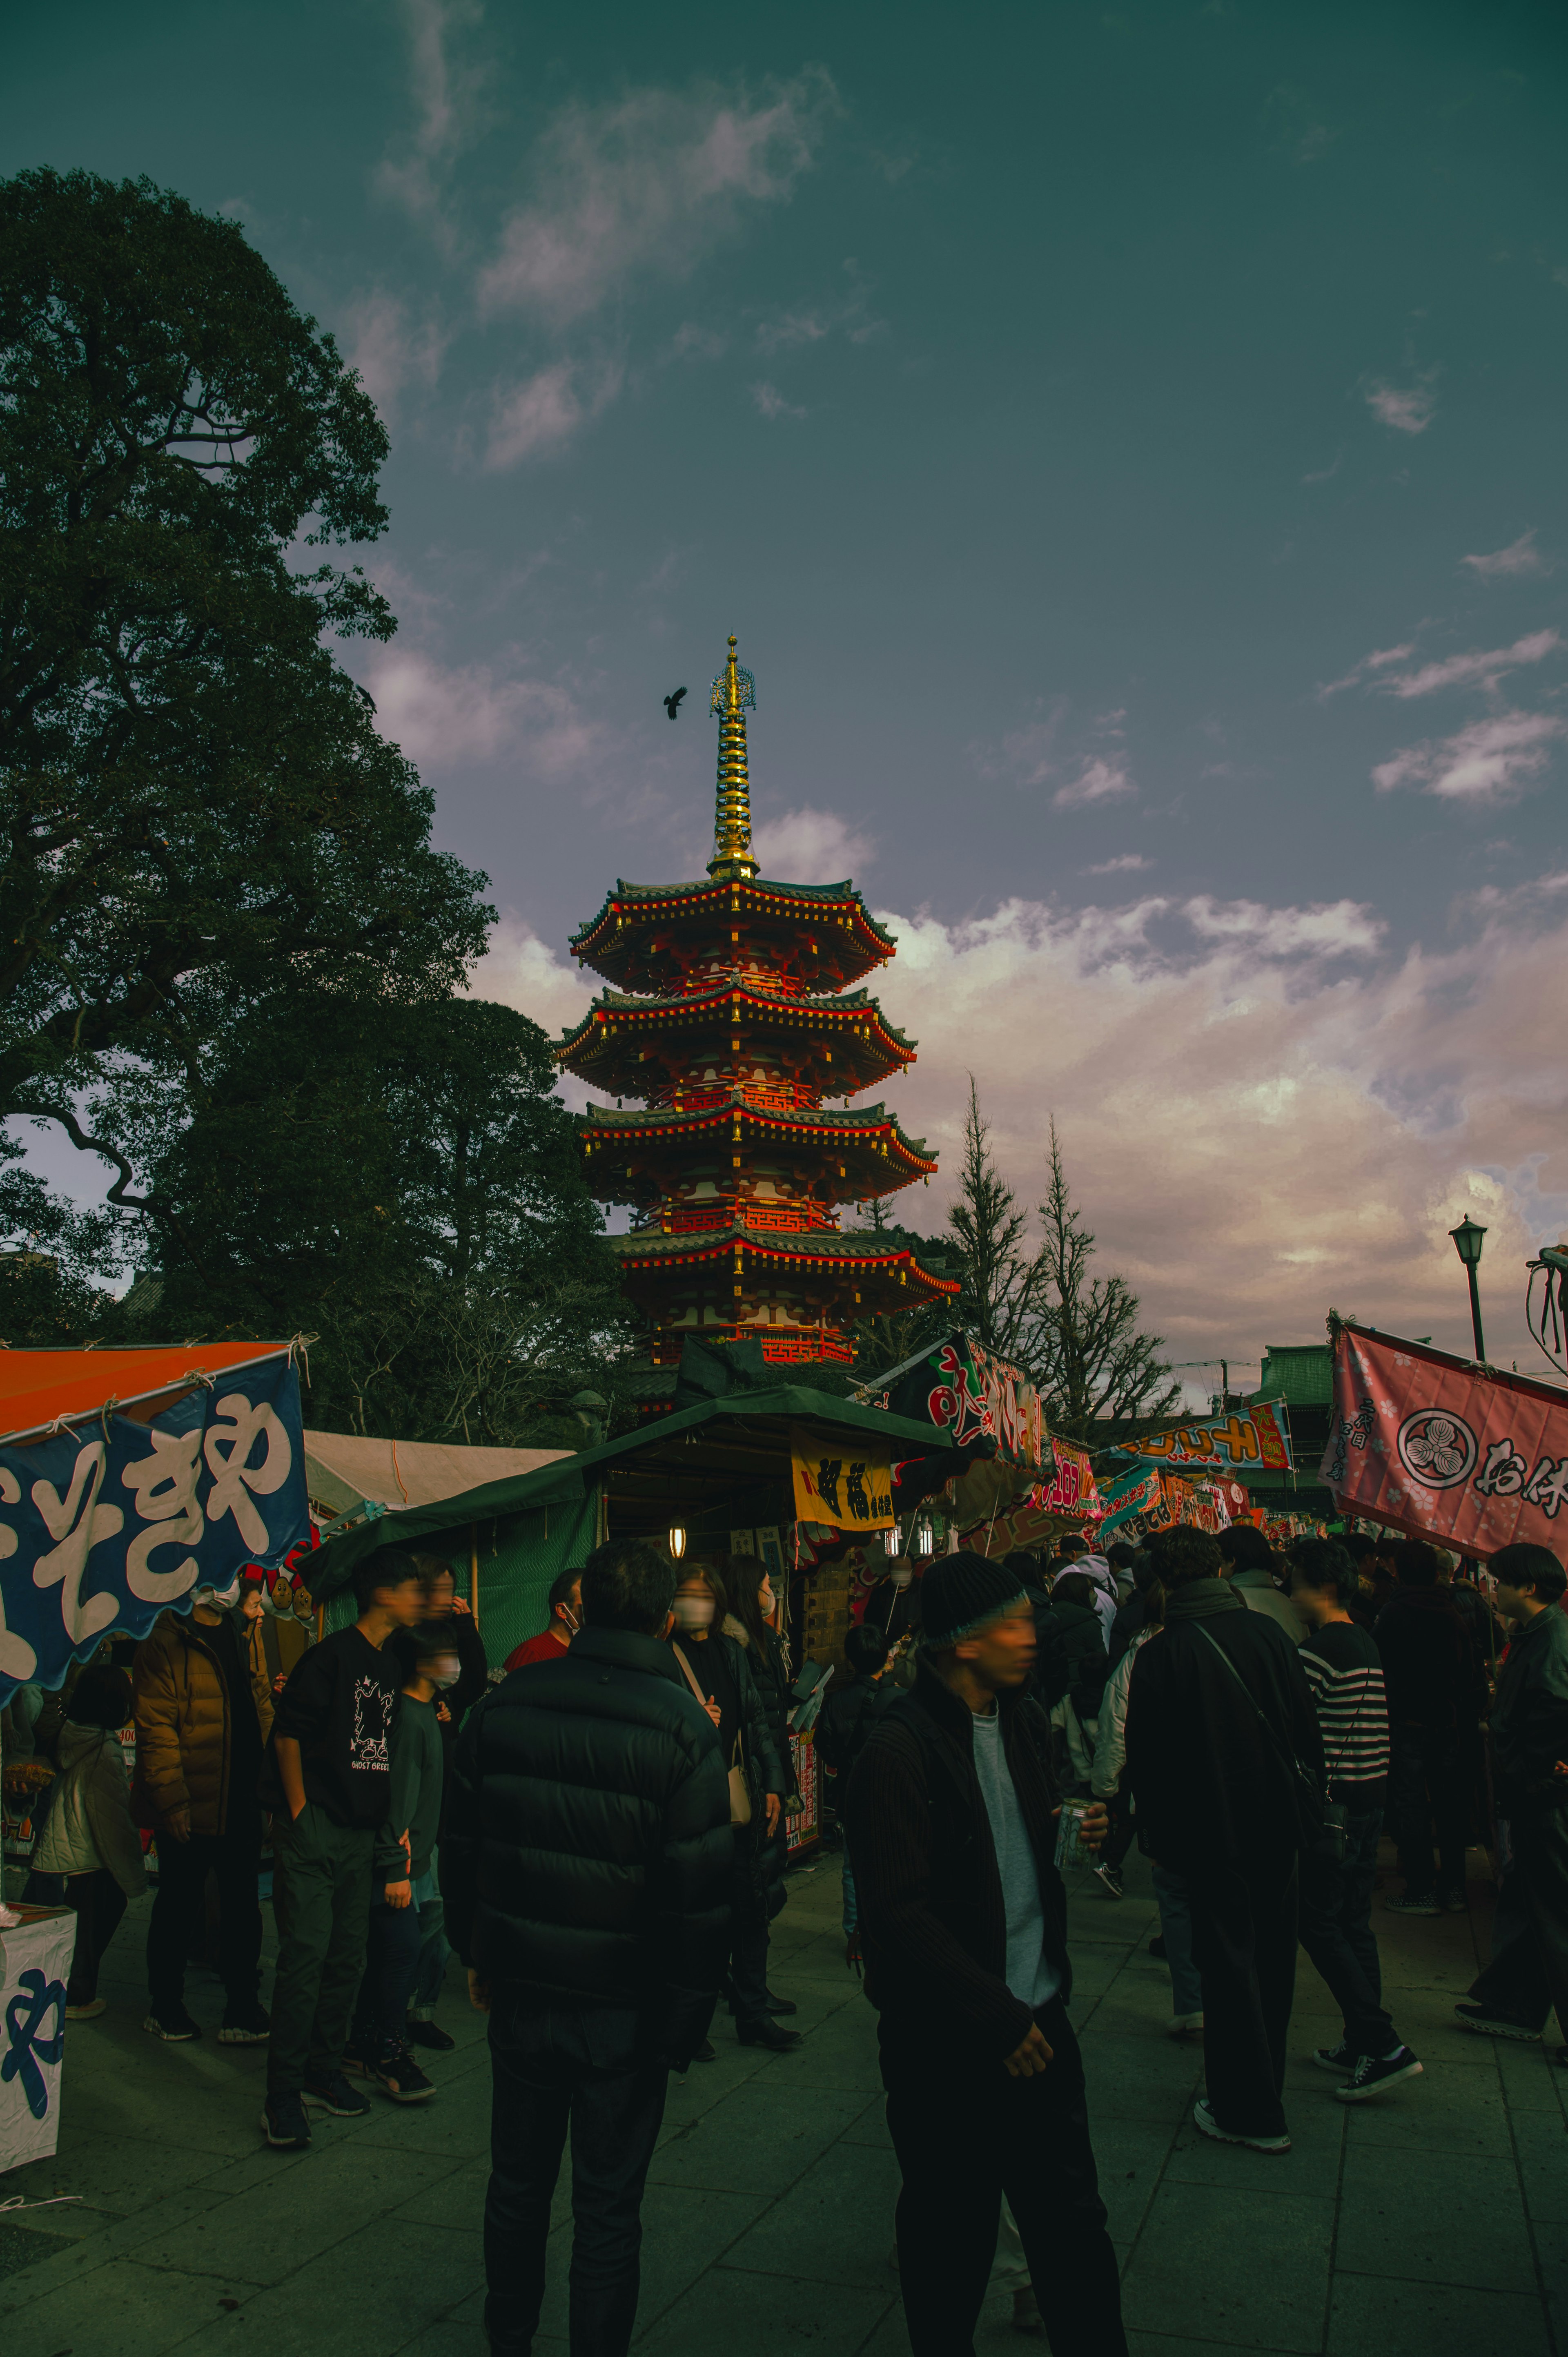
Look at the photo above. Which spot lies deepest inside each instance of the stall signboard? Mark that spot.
(35, 1963)
(1133, 1493)
(1073, 1490)
(1444, 1449)
(851, 1490)
(967, 1391)
(801, 1829)
(1258, 1435)
(105, 1524)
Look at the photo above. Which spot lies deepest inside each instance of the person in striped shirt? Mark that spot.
(1345, 1674)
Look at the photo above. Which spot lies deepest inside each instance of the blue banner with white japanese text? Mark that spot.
(107, 1524)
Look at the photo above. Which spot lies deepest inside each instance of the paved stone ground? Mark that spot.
(1433, 2222)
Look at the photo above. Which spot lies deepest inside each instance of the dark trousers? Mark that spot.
(746, 1987)
(965, 2135)
(1243, 1943)
(551, 2068)
(1120, 1807)
(1429, 1786)
(1528, 1972)
(234, 1855)
(98, 1903)
(1337, 1932)
(321, 1897)
(392, 1966)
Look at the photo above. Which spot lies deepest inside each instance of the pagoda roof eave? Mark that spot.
(816, 1245)
(841, 1012)
(652, 896)
(649, 1130)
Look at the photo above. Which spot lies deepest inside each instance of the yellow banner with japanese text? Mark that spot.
(837, 1483)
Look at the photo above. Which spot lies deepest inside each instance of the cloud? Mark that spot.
(447, 92)
(543, 413)
(442, 715)
(389, 350)
(1329, 929)
(1369, 663)
(1489, 761)
(1474, 670)
(524, 972)
(793, 327)
(1127, 862)
(1520, 556)
(1409, 409)
(1255, 1136)
(811, 846)
(648, 186)
(1099, 782)
(772, 402)
(692, 341)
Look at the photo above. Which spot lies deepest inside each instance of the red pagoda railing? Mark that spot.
(779, 1348)
(766, 1097)
(794, 1219)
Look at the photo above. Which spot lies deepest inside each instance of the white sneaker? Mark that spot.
(1181, 2025)
(1204, 2120)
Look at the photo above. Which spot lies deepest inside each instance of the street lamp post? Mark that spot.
(1468, 1237)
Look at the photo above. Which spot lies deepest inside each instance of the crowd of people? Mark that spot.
(598, 1831)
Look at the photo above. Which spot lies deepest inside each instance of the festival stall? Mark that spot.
(742, 1465)
(127, 1477)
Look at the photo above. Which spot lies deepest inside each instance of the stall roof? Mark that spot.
(345, 1469)
(698, 1455)
(38, 1388)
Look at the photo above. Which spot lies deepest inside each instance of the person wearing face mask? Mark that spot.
(403, 1882)
(566, 1619)
(718, 1669)
(748, 1622)
(203, 1713)
(447, 1610)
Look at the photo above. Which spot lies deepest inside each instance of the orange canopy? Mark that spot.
(38, 1386)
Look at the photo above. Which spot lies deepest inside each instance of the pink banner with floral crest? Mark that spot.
(1447, 1450)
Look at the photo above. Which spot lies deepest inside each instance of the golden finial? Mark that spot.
(733, 690)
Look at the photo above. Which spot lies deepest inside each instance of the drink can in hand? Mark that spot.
(1071, 1849)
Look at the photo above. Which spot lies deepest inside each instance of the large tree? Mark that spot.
(402, 1181)
(197, 808)
(1001, 1276)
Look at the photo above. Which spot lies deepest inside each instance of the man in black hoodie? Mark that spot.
(586, 1877)
(1224, 1762)
(951, 1815)
(1437, 1693)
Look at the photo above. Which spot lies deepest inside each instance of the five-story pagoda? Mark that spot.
(731, 1019)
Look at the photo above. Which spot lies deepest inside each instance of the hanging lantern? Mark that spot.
(927, 1540)
(894, 1540)
(677, 1540)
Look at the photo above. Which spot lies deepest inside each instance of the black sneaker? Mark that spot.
(174, 2023)
(399, 2075)
(1455, 1903)
(1157, 1947)
(704, 2052)
(333, 2094)
(1370, 2076)
(283, 2123)
(769, 2034)
(430, 2034)
(1337, 2059)
(1110, 1879)
(1487, 2024)
(246, 2025)
(1414, 1903)
(359, 2063)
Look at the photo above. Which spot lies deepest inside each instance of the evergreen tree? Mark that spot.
(1087, 1356)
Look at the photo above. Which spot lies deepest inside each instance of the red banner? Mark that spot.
(1447, 1450)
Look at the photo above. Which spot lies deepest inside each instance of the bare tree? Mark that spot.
(1002, 1279)
(1084, 1347)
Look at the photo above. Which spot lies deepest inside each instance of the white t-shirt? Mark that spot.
(1031, 1976)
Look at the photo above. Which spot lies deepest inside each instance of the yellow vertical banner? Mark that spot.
(840, 1484)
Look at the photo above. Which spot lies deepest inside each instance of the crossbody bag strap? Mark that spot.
(1302, 1775)
(739, 1759)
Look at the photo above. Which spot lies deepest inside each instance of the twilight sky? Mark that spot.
(1129, 444)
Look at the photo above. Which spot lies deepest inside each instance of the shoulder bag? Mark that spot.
(739, 1791)
(1321, 1822)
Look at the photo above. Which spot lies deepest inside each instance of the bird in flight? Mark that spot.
(672, 703)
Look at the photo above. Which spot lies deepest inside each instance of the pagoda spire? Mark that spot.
(732, 690)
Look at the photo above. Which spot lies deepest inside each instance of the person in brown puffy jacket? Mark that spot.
(203, 1715)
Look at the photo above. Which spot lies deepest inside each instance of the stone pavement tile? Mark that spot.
(681, 2240)
(768, 2316)
(1310, 2166)
(1258, 2285)
(1152, 2078)
(454, 2197)
(1541, 2144)
(368, 2297)
(834, 2226)
(123, 2309)
(707, 2084)
(308, 2211)
(1431, 2224)
(450, 2339)
(1531, 2081)
(870, 2128)
(1452, 2111)
(758, 2140)
(1551, 2259)
(843, 2053)
(1372, 2317)
(455, 2120)
(1128, 2157)
(23, 2245)
(114, 2238)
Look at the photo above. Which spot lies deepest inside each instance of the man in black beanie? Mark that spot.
(951, 1822)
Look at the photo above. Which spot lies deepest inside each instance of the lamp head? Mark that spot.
(1467, 1238)
(677, 1540)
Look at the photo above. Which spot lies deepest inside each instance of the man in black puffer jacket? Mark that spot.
(587, 1868)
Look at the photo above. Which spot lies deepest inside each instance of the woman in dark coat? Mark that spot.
(751, 1609)
(714, 1653)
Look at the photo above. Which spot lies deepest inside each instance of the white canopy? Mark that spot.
(344, 1470)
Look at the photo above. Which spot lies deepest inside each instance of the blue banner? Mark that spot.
(106, 1525)
(1133, 1495)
